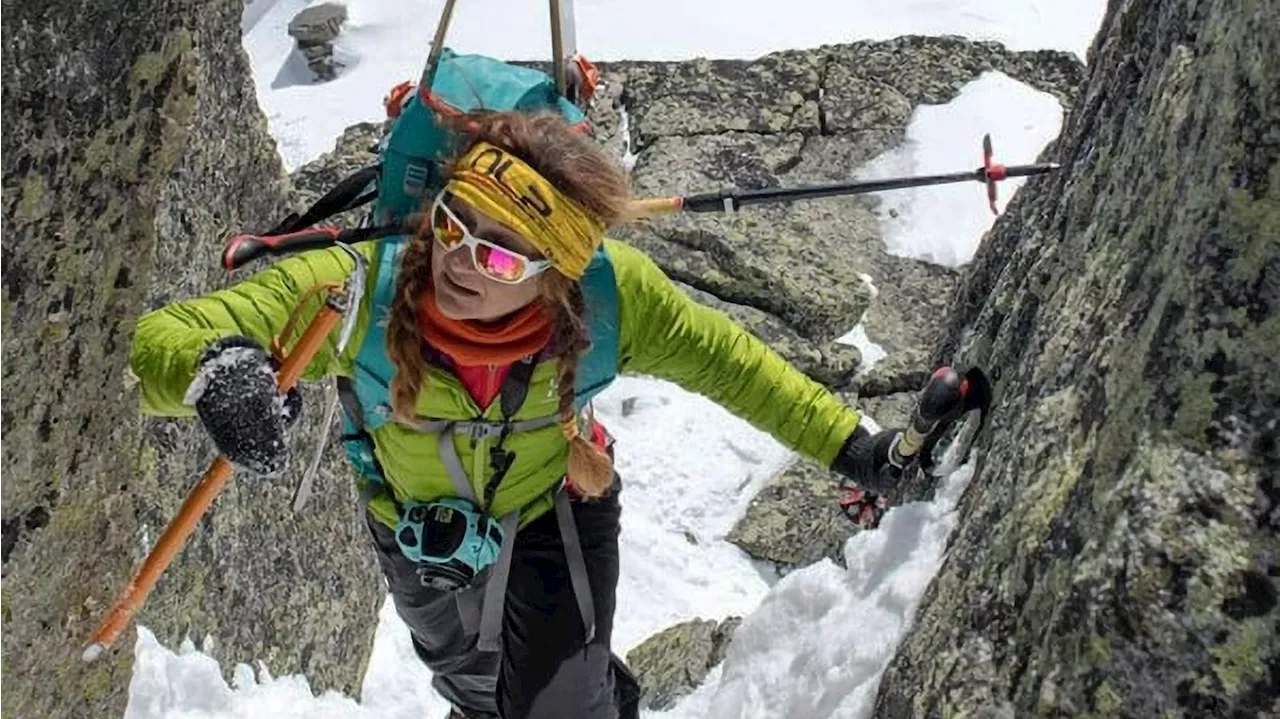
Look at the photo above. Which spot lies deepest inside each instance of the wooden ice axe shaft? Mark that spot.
(175, 536)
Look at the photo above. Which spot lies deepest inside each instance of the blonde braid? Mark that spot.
(404, 339)
(590, 468)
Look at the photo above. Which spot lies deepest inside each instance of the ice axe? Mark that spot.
(198, 501)
(732, 200)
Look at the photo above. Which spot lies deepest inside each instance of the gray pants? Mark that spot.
(545, 669)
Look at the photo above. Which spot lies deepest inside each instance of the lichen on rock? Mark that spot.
(133, 145)
(674, 662)
(1116, 553)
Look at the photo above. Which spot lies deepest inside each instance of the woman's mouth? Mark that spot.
(457, 287)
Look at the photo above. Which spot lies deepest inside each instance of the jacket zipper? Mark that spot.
(481, 447)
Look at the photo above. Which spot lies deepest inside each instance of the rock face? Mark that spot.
(314, 29)
(789, 119)
(132, 145)
(795, 520)
(354, 150)
(674, 662)
(1117, 549)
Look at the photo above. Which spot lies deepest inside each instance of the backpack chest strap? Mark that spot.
(477, 430)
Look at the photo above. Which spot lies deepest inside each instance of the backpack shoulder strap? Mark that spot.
(598, 367)
(373, 370)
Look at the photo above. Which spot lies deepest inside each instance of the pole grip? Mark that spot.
(197, 503)
(240, 250)
(938, 400)
(710, 202)
(657, 206)
(1029, 170)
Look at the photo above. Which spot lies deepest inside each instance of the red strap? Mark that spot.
(589, 77)
(394, 101)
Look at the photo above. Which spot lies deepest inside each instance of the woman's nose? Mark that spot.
(459, 262)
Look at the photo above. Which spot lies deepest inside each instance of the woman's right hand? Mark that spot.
(238, 401)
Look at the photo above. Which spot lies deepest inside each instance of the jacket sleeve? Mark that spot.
(168, 342)
(665, 333)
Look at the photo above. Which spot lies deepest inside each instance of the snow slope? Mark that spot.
(385, 42)
(815, 642)
(818, 643)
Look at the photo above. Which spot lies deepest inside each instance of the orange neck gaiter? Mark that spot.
(471, 343)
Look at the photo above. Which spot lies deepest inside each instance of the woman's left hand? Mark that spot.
(865, 459)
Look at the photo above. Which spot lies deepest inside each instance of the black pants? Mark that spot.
(545, 668)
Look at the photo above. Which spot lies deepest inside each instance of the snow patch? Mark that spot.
(945, 223)
(871, 285)
(629, 156)
(871, 352)
(819, 643)
(188, 684)
(689, 469)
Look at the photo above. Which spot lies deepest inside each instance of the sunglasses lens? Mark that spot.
(499, 264)
(447, 231)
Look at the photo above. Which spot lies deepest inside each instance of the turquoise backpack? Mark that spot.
(408, 176)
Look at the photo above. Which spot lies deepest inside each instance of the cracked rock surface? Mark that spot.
(1116, 551)
(133, 144)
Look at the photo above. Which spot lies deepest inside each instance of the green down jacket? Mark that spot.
(662, 333)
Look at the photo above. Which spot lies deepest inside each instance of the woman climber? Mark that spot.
(492, 500)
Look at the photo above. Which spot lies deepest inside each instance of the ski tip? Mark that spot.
(92, 652)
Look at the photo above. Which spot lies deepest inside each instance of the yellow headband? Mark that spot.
(505, 188)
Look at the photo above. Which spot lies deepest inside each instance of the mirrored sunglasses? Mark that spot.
(491, 260)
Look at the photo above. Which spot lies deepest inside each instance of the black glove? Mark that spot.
(237, 399)
(864, 458)
(865, 461)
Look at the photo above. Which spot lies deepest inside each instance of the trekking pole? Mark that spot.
(240, 250)
(950, 399)
(564, 47)
(175, 536)
(557, 49)
(731, 200)
(437, 46)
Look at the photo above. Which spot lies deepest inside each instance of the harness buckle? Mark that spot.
(479, 429)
